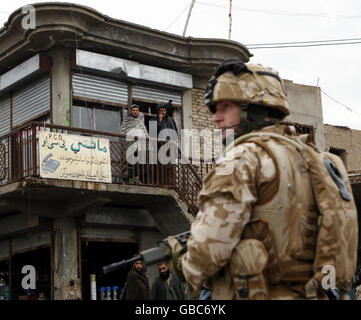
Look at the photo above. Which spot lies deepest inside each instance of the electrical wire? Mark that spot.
(282, 12)
(310, 41)
(310, 44)
(178, 16)
(340, 103)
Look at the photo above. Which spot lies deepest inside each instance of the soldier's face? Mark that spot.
(227, 114)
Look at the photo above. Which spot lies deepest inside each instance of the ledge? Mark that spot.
(79, 27)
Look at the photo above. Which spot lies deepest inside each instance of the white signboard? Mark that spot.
(73, 157)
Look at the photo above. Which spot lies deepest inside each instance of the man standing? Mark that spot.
(164, 117)
(167, 286)
(135, 152)
(132, 124)
(275, 210)
(137, 285)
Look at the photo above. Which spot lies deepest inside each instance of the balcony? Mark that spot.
(24, 189)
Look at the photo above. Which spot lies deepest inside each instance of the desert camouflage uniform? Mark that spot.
(248, 189)
(358, 292)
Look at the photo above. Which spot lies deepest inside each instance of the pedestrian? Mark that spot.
(137, 285)
(274, 211)
(167, 286)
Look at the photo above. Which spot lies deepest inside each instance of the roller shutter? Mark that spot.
(4, 116)
(28, 242)
(31, 101)
(99, 88)
(156, 94)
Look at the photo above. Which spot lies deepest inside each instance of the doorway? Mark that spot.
(95, 255)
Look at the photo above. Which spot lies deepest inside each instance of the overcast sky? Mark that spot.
(336, 69)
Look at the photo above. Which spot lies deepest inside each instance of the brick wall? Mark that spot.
(201, 117)
(347, 139)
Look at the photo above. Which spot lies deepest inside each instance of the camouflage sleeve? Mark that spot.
(225, 206)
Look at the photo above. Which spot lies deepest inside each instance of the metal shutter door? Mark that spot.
(98, 88)
(4, 249)
(105, 233)
(31, 101)
(156, 94)
(27, 242)
(4, 116)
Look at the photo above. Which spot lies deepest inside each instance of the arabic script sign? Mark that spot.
(73, 157)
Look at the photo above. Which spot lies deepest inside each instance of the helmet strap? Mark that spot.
(252, 119)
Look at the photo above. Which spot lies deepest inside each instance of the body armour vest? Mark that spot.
(311, 220)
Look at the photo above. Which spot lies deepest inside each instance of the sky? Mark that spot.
(336, 69)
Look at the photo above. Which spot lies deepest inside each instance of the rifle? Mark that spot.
(150, 256)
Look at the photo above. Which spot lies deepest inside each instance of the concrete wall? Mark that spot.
(306, 108)
(305, 105)
(345, 139)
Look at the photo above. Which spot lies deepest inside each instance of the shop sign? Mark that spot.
(74, 157)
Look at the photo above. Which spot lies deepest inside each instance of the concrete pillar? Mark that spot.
(66, 278)
(187, 109)
(61, 95)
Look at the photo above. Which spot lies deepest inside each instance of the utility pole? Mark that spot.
(189, 15)
(230, 19)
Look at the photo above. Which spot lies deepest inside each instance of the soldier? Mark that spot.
(274, 211)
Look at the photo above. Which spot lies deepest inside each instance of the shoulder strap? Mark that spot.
(296, 143)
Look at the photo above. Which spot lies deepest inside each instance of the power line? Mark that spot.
(282, 12)
(179, 16)
(266, 46)
(338, 102)
(310, 41)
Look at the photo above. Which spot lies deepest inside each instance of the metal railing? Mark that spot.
(19, 158)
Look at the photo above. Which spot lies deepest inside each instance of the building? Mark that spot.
(68, 83)
(346, 143)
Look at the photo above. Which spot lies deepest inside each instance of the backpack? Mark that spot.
(337, 237)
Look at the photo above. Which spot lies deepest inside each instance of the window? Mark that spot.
(101, 103)
(97, 117)
(341, 153)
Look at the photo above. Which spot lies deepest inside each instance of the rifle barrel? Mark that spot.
(117, 265)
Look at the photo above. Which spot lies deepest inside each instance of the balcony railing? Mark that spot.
(19, 158)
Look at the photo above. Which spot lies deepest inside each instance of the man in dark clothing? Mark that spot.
(167, 153)
(167, 286)
(164, 117)
(137, 286)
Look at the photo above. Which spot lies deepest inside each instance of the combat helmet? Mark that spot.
(251, 85)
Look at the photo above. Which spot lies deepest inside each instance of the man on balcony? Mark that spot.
(133, 126)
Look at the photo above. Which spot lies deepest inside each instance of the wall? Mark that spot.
(348, 140)
(306, 108)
